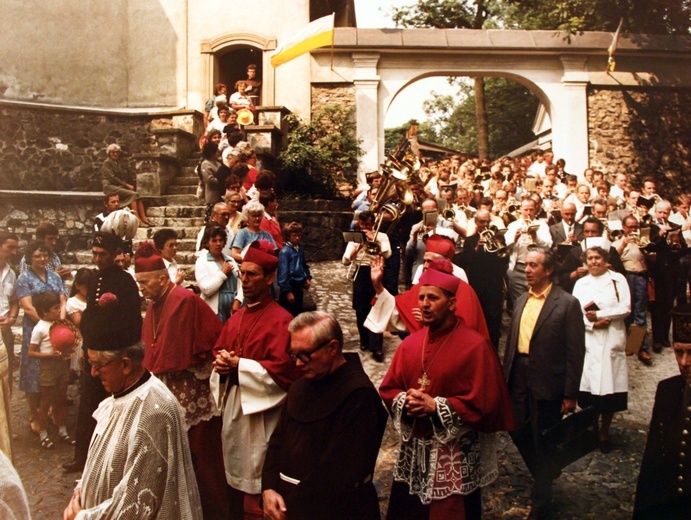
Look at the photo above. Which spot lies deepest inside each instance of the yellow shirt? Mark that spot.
(531, 311)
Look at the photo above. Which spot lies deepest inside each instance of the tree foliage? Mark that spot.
(510, 109)
(321, 156)
(444, 14)
(573, 16)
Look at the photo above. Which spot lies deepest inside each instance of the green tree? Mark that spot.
(573, 16)
(450, 14)
(510, 109)
(321, 157)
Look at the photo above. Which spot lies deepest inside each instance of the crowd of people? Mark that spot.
(227, 400)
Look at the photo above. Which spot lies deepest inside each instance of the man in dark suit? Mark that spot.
(664, 484)
(126, 308)
(482, 268)
(669, 249)
(543, 362)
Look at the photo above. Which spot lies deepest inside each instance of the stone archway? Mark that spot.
(558, 83)
(214, 49)
(379, 63)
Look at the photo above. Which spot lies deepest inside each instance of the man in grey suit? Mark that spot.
(543, 362)
(568, 229)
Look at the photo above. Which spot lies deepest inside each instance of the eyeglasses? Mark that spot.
(306, 357)
(97, 367)
(225, 214)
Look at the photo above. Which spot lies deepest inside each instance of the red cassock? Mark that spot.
(179, 332)
(261, 333)
(468, 308)
(466, 371)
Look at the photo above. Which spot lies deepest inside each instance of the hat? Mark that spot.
(441, 279)
(107, 241)
(147, 258)
(262, 253)
(681, 324)
(110, 325)
(65, 336)
(441, 245)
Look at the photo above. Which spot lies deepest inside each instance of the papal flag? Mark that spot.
(319, 33)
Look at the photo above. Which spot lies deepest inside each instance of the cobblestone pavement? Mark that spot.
(596, 486)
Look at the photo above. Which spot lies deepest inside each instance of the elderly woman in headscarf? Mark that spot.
(118, 179)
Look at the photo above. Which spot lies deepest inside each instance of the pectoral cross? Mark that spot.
(423, 381)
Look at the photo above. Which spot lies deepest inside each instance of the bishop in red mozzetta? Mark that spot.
(179, 332)
(446, 394)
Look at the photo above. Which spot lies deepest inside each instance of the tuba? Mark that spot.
(393, 198)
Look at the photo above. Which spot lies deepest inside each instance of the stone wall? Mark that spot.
(62, 149)
(642, 133)
(72, 213)
(332, 94)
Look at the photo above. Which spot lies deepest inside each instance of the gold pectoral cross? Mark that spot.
(423, 381)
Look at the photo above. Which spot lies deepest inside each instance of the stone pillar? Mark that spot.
(366, 81)
(154, 173)
(207, 72)
(570, 115)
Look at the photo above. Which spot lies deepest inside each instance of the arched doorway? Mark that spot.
(227, 58)
(232, 65)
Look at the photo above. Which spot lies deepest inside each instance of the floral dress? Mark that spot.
(29, 284)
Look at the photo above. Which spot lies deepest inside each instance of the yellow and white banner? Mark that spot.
(319, 33)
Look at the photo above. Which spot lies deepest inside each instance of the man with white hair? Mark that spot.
(139, 463)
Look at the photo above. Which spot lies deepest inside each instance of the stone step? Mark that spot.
(182, 190)
(183, 232)
(186, 180)
(184, 200)
(174, 222)
(188, 171)
(176, 211)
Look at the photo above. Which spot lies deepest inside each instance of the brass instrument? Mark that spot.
(393, 198)
(492, 238)
(448, 214)
(673, 236)
(613, 232)
(641, 237)
(531, 230)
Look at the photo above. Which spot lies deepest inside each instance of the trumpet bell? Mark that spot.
(245, 116)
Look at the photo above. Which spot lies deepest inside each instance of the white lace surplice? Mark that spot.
(456, 460)
(139, 464)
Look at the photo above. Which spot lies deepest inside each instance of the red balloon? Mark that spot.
(62, 338)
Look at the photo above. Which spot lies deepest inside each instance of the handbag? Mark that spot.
(572, 437)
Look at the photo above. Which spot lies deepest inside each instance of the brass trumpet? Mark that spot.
(448, 214)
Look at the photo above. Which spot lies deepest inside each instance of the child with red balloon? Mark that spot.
(52, 342)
